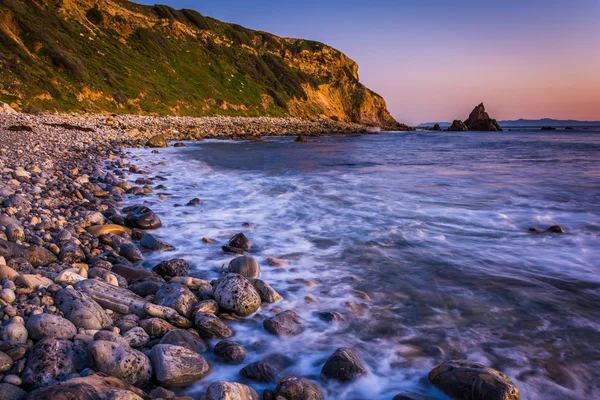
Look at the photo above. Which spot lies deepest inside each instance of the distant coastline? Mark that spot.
(529, 123)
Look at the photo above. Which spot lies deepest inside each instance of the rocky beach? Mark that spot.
(82, 319)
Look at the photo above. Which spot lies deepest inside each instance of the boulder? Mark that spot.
(112, 297)
(265, 291)
(458, 126)
(183, 338)
(142, 217)
(33, 281)
(136, 337)
(81, 310)
(114, 229)
(344, 365)
(267, 369)
(110, 336)
(157, 141)
(156, 327)
(5, 362)
(177, 366)
(69, 276)
(153, 243)
(238, 244)
(91, 387)
(210, 326)
(71, 253)
(246, 266)
(230, 352)
(479, 120)
(14, 331)
(132, 274)
(464, 379)
(178, 297)
(36, 255)
(295, 388)
(11, 392)
(53, 326)
(231, 391)
(52, 360)
(234, 293)
(171, 268)
(120, 361)
(286, 323)
(207, 306)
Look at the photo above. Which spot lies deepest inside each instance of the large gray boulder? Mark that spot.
(11, 392)
(176, 366)
(344, 365)
(51, 360)
(286, 323)
(184, 338)
(231, 391)
(246, 266)
(210, 326)
(236, 294)
(91, 387)
(81, 309)
(295, 388)
(120, 361)
(461, 379)
(178, 297)
(44, 325)
(112, 297)
(36, 255)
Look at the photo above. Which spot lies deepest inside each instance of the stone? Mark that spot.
(110, 336)
(172, 268)
(301, 139)
(176, 366)
(120, 361)
(286, 323)
(7, 273)
(81, 309)
(33, 281)
(436, 127)
(153, 243)
(36, 255)
(11, 392)
(114, 298)
(136, 337)
(267, 369)
(71, 253)
(265, 291)
(179, 144)
(69, 276)
(231, 391)
(49, 325)
(230, 352)
(156, 327)
(240, 241)
(90, 387)
(131, 252)
(207, 306)
(295, 388)
(114, 229)
(168, 314)
(479, 120)
(458, 126)
(15, 232)
(142, 217)
(246, 266)
(7, 295)
(15, 350)
(210, 326)
(177, 297)
(194, 202)
(556, 229)
(157, 141)
(14, 331)
(464, 379)
(276, 262)
(344, 365)
(52, 360)
(183, 338)
(5, 362)
(132, 274)
(234, 293)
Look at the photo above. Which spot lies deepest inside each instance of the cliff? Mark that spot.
(121, 57)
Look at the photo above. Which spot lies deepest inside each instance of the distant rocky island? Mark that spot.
(479, 120)
(524, 123)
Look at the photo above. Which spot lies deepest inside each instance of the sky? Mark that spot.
(435, 60)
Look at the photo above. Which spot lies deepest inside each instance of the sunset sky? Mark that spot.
(434, 60)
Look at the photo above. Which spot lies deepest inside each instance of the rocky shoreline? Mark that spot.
(82, 320)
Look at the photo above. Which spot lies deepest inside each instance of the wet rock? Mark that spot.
(156, 327)
(110, 336)
(183, 338)
(344, 365)
(33, 281)
(207, 306)
(11, 392)
(5, 362)
(295, 388)
(81, 310)
(14, 331)
(35, 255)
(132, 274)
(267, 369)
(71, 253)
(556, 229)
(286, 323)
(479, 120)
(265, 291)
(231, 391)
(153, 243)
(179, 144)
(136, 337)
(157, 141)
(464, 379)
(171, 268)
(15, 350)
(48, 325)
(91, 387)
(15, 232)
(178, 297)
(177, 366)
(194, 202)
(131, 252)
(120, 361)
(148, 288)
(210, 326)
(238, 243)
(142, 217)
(52, 360)
(246, 266)
(458, 126)
(112, 297)
(301, 139)
(230, 352)
(235, 293)
(114, 229)
(328, 316)
(276, 262)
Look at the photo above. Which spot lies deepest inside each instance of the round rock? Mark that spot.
(177, 365)
(233, 292)
(230, 352)
(294, 388)
(246, 266)
(344, 365)
(41, 326)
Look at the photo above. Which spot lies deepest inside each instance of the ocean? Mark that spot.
(419, 239)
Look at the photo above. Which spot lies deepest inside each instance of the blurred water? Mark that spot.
(432, 226)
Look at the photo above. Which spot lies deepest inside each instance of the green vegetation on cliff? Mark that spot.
(118, 56)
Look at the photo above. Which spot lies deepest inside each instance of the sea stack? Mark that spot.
(479, 120)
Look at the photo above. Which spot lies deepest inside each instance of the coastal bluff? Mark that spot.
(125, 58)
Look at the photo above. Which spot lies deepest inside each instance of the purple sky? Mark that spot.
(434, 60)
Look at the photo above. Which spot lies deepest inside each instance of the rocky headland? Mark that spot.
(81, 319)
(479, 120)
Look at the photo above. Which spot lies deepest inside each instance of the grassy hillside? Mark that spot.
(118, 56)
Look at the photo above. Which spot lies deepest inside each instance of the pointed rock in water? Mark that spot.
(231, 391)
(464, 379)
(301, 139)
(295, 388)
(556, 229)
(157, 141)
(142, 217)
(238, 244)
(457, 126)
(267, 369)
(344, 365)
(479, 120)
(286, 323)
(230, 352)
